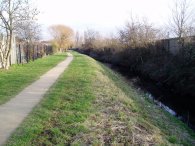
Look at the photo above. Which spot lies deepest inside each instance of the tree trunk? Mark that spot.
(9, 50)
(9, 37)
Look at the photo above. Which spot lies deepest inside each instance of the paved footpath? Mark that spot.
(16, 110)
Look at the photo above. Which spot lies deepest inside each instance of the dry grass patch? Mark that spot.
(116, 120)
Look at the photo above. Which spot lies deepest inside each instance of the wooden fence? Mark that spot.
(23, 52)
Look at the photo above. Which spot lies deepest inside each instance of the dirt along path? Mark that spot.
(16, 110)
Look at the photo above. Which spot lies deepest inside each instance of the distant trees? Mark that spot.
(90, 38)
(13, 13)
(78, 40)
(62, 37)
(137, 34)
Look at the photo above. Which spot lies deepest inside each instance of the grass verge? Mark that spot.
(12, 81)
(92, 105)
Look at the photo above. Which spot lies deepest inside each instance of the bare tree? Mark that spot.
(182, 21)
(90, 38)
(62, 36)
(12, 14)
(29, 31)
(78, 40)
(137, 34)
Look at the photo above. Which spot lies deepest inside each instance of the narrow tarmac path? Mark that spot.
(16, 110)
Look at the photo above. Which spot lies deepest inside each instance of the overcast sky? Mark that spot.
(105, 16)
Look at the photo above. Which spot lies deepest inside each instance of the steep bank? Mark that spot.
(160, 94)
(169, 78)
(91, 104)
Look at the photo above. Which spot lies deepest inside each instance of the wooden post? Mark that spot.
(37, 51)
(20, 53)
(33, 47)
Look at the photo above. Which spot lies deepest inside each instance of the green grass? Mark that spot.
(92, 105)
(12, 81)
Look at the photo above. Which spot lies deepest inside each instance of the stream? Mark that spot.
(159, 95)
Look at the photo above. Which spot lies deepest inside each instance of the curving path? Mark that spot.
(14, 111)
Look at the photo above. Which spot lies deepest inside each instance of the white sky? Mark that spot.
(102, 15)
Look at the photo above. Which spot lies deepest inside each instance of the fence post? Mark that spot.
(37, 51)
(20, 53)
(33, 47)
